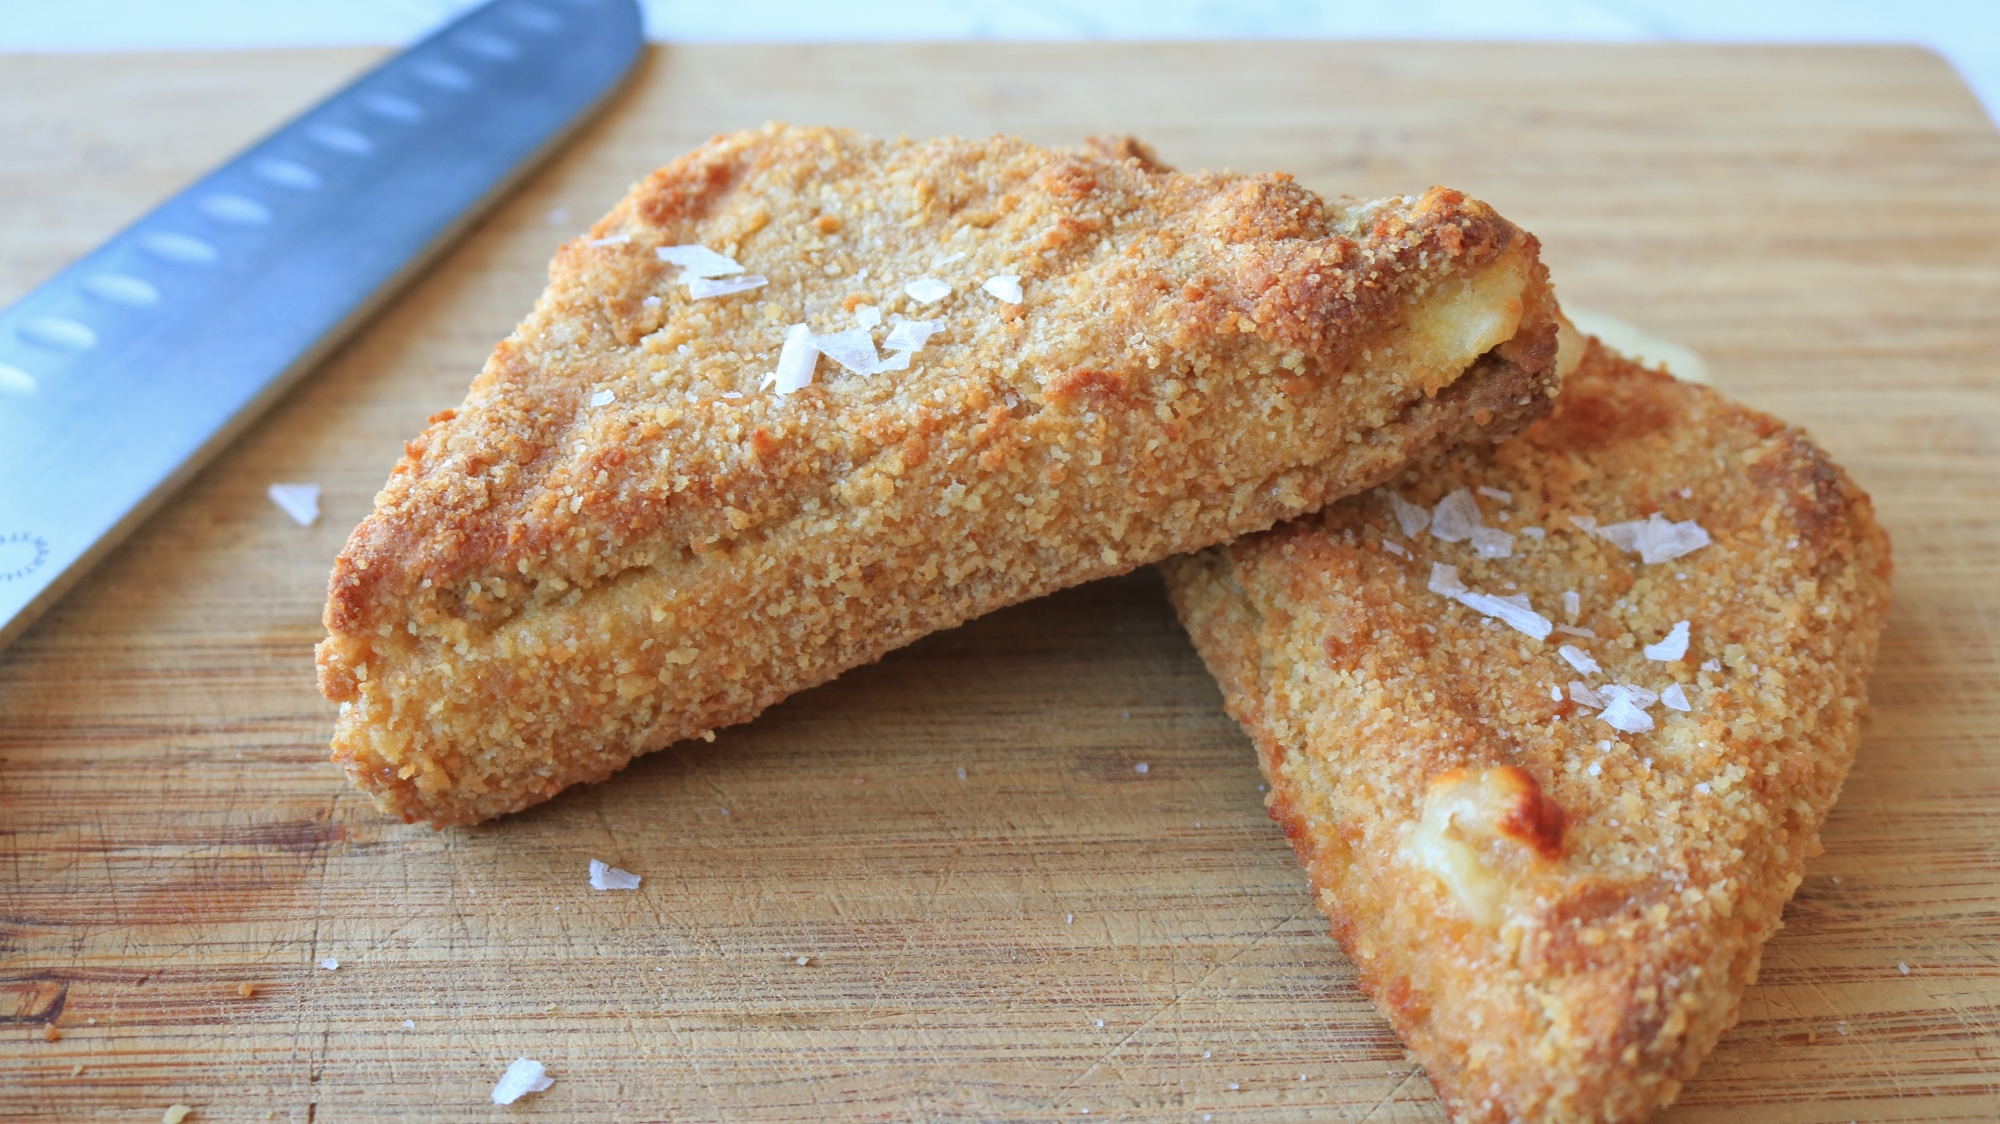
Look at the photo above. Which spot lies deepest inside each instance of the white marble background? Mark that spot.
(1965, 31)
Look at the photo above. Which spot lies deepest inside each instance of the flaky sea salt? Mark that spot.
(1519, 618)
(1572, 630)
(614, 240)
(300, 501)
(1581, 693)
(1491, 542)
(1556, 693)
(1535, 533)
(605, 877)
(1672, 646)
(699, 261)
(927, 290)
(330, 964)
(524, 1076)
(1456, 516)
(1005, 287)
(868, 316)
(701, 287)
(1673, 698)
(603, 398)
(1656, 539)
(911, 335)
(796, 360)
(1495, 493)
(1444, 579)
(853, 349)
(1142, 768)
(1621, 713)
(1513, 611)
(1711, 665)
(1395, 548)
(1409, 516)
(1578, 659)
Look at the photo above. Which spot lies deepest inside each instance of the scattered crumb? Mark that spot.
(802, 961)
(175, 1113)
(51, 1034)
(246, 990)
(77, 1069)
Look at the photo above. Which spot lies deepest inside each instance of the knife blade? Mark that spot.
(125, 372)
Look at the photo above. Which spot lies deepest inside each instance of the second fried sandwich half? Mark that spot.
(1553, 726)
(1023, 368)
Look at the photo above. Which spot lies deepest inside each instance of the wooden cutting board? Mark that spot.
(1004, 918)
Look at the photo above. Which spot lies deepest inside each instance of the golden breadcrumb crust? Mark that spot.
(1621, 947)
(622, 539)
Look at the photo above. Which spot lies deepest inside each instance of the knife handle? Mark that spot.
(122, 374)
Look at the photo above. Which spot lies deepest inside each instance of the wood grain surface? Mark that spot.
(1004, 919)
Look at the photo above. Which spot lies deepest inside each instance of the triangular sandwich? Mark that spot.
(1553, 726)
(803, 397)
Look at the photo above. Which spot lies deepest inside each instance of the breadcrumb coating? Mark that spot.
(1559, 916)
(622, 539)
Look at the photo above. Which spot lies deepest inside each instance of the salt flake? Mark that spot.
(1444, 579)
(1456, 516)
(614, 240)
(868, 316)
(910, 335)
(603, 877)
(1673, 698)
(853, 349)
(700, 288)
(1515, 616)
(602, 398)
(1409, 516)
(927, 290)
(1581, 693)
(300, 501)
(1495, 493)
(796, 360)
(698, 261)
(1578, 659)
(1623, 714)
(523, 1076)
(1671, 647)
(1491, 542)
(1656, 539)
(330, 964)
(1005, 287)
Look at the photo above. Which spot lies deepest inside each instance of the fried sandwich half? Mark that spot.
(639, 528)
(1553, 726)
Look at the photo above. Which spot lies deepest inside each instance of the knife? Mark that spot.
(121, 375)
